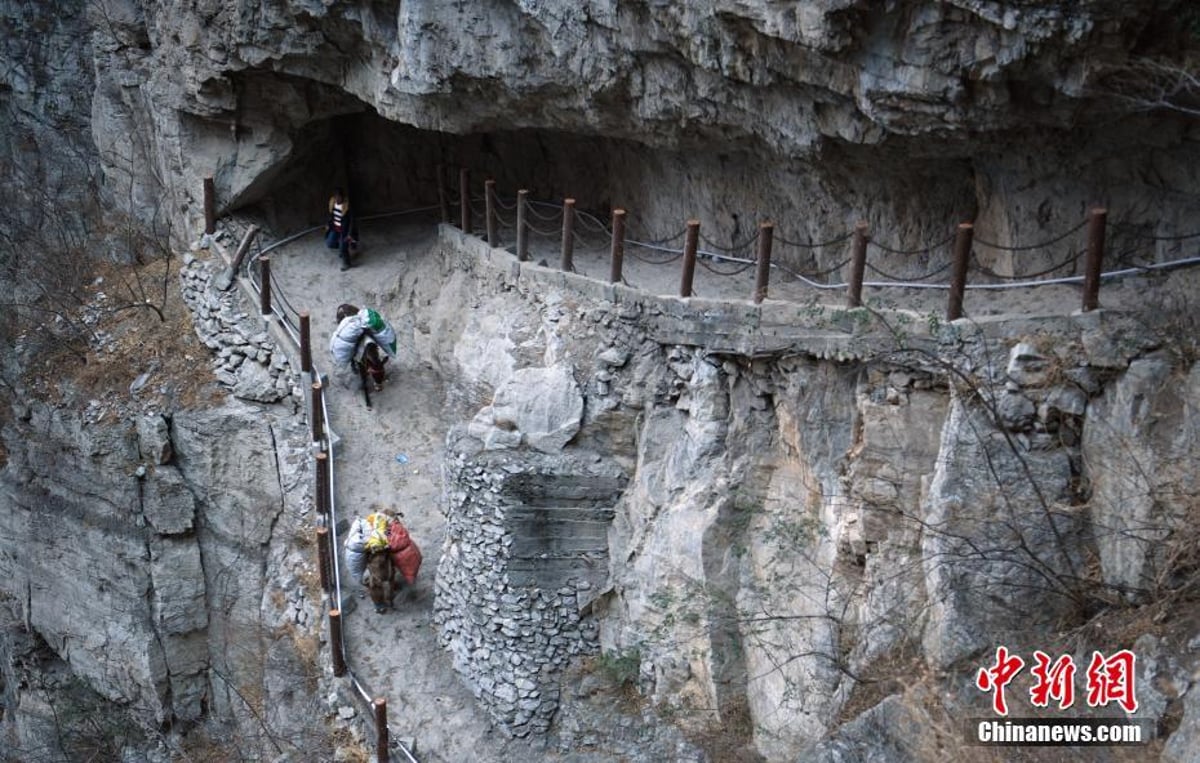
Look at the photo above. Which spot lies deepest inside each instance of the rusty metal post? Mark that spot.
(464, 199)
(762, 273)
(243, 249)
(323, 565)
(958, 271)
(317, 416)
(264, 273)
(443, 204)
(381, 730)
(618, 245)
(690, 243)
(489, 195)
(321, 464)
(305, 344)
(567, 263)
(210, 206)
(1095, 258)
(522, 227)
(858, 264)
(335, 642)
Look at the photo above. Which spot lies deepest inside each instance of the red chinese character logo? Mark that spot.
(1112, 679)
(1055, 681)
(995, 678)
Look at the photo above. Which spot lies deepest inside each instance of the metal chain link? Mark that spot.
(1029, 247)
(923, 250)
(979, 268)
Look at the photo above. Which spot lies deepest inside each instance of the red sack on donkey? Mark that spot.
(397, 536)
(406, 557)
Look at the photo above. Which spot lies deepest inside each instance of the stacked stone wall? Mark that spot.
(248, 362)
(509, 636)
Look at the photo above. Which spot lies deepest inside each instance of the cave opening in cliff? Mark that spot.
(727, 184)
(386, 166)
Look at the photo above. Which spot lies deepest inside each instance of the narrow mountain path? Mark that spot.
(394, 654)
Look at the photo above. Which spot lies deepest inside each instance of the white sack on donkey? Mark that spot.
(382, 556)
(353, 322)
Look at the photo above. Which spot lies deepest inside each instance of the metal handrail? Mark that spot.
(326, 443)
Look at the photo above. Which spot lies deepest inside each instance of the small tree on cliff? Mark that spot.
(51, 248)
(1161, 76)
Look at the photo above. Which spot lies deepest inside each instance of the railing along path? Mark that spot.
(275, 306)
(523, 217)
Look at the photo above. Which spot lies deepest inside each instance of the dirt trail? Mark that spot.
(394, 654)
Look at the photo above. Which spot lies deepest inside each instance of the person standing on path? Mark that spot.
(338, 227)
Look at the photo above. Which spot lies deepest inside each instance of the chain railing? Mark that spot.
(295, 325)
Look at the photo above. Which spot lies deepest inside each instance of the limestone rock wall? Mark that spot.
(1139, 442)
(912, 115)
(46, 146)
(796, 526)
(154, 557)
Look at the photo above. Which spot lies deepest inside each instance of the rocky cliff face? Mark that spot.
(153, 556)
(795, 531)
(801, 536)
(911, 115)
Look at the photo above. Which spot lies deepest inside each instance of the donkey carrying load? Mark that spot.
(363, 341)
(382, 555)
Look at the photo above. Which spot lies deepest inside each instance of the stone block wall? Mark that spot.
(247, 360)
(514, 576)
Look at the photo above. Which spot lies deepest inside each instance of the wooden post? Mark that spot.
(690, 243)
(305, 344)
(323, 557)
(858, 264)
(335, 642)
(464, 199)
(228, 277)
(443, 203)
(321, 464)
(243, 248)
(618, 245)
(1095, 258)
(958, 271)
(567, 263)
(381, 730)
(762, 273)
(522, 227)
(264, 265)
(210, 206)
(317, 416)
(489, 195)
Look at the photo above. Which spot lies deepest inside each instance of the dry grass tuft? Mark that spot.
(138, 341)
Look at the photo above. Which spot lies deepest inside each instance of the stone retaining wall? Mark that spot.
(722, 326)
(248, 361)
(510, 586)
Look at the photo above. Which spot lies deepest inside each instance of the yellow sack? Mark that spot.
(377, 540)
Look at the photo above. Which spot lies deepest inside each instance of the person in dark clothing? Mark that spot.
(339, 228)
